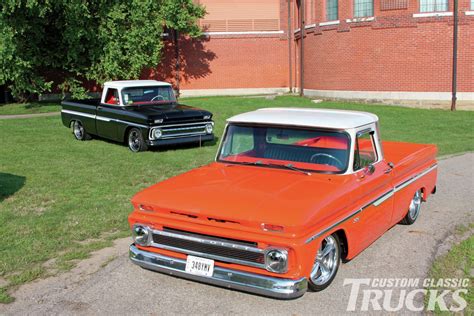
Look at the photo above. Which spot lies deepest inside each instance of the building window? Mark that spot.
(472, 4)
(433, 5)
(363, 8)
(332, 10)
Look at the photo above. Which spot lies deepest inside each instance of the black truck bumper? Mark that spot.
(181, 140)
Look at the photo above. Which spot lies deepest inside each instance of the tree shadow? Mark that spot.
(10, 184)
(194, 59)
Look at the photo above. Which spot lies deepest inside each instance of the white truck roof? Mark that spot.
(331, 119)
(134, 83)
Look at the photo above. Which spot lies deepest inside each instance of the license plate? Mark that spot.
(199, 266)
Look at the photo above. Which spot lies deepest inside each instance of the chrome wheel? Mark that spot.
(415, 205)
(134, 140)
(78, 130)
(326, 261)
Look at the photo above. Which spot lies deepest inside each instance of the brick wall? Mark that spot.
(395, 52)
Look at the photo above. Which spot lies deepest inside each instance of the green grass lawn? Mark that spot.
(458, 263)
(29, 108)
(61, 198)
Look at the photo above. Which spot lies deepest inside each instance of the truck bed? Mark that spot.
(409, 158)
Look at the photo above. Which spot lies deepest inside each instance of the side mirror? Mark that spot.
(370, 169)
(367, 171)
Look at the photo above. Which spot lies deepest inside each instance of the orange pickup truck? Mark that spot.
(291, 194)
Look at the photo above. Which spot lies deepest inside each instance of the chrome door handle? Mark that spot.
(388, 170)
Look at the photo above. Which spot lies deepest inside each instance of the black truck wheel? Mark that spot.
(135, 140)
(79, 131)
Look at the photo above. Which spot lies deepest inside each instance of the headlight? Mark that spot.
(209, 128)
(141, 235)
(207, 117)
(276, 260)
(157, 133)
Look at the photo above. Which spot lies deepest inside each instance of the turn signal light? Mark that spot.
(272, 228)
(145, 208)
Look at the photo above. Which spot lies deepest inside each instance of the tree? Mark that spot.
(76, 40)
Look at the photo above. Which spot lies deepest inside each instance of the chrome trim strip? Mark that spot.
(186, 124)
(102, 118)
(79, 113)
(310, 239)
(234, 279)
(414, 178)
(382, 198)
(208, 241)
(379, 200)
(184, 128)
(182, 135)
(131, 123)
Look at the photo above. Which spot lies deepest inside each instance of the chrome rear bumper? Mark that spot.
(243, 281)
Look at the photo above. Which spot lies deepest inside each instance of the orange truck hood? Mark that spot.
(249, 195)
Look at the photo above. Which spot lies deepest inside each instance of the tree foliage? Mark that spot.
(75, 40)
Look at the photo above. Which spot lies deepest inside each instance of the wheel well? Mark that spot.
(341, 234)
(423, 194)
(127, 130)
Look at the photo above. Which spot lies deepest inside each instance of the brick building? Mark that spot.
(369, 49)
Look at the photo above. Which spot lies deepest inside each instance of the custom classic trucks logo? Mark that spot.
(398, 294)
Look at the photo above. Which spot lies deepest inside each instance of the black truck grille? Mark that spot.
(224, 250)
(185, 130)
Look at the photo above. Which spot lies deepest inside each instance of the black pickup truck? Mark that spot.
(140, 113)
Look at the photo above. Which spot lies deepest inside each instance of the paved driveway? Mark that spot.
(123, 288)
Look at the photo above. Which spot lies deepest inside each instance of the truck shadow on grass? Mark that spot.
(10, 184)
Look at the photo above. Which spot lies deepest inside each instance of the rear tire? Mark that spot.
(413, 209)
(326, 264)
(79, 131)
(135, 141)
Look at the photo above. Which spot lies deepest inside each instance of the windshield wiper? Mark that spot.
(290, 167)
(287, 166)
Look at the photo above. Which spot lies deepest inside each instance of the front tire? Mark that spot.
(326, 264)
(135, 141)
(413, 209)
(79, 131)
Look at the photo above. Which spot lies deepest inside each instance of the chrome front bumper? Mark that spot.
(243, 281)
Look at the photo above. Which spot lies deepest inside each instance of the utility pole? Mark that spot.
(455, 56)
(302, 29)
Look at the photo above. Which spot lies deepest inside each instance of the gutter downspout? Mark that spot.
(455, 56)
(290, 67)
(302, 29)
(177, 64)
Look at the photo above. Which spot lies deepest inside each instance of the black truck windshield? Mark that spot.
(148, 95)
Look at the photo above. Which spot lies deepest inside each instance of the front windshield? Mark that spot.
(148, 95)
(308, 149)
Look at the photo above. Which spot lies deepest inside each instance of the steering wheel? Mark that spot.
(158, 98)
(326, 159)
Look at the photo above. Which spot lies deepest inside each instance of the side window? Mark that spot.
(112, 97)
(364, 152)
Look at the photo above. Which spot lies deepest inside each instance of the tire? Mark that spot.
(79, 131)
(135, 141)
(328, 256)
(413, 209)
